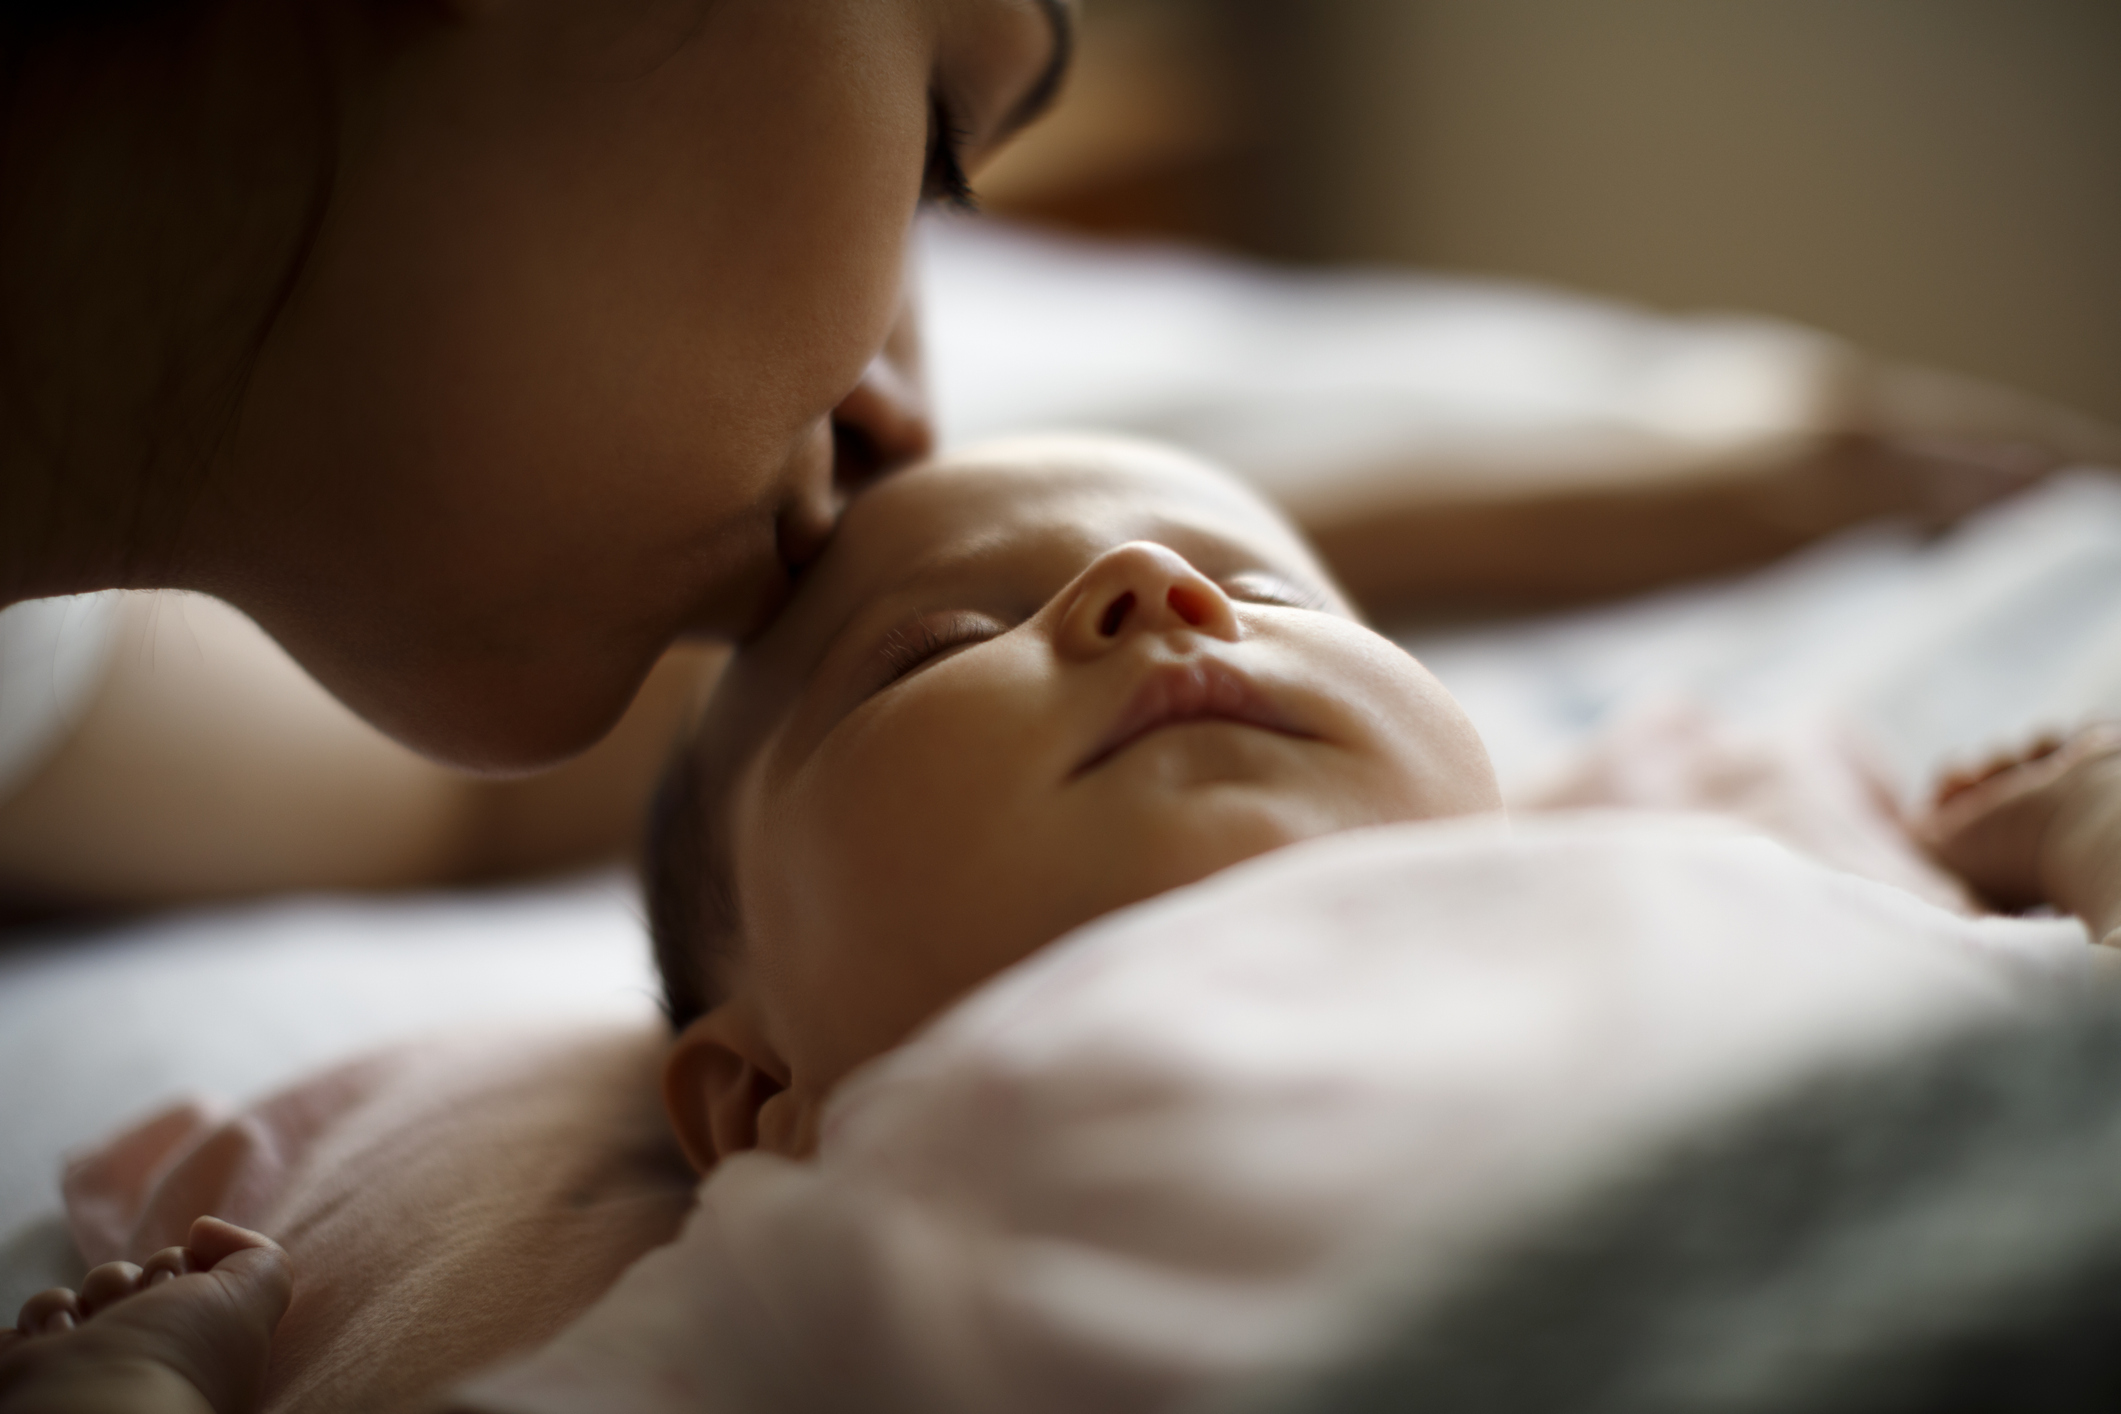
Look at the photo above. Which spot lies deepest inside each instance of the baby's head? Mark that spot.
(1024, 687)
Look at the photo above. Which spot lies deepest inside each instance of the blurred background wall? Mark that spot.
(1935, 179)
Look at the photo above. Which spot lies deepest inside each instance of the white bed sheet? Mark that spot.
(1940, 651)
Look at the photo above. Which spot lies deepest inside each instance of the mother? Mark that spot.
(476, 348)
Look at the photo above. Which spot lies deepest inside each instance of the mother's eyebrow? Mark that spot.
(1060, 15)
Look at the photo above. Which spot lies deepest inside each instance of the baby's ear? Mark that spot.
(720, 1074)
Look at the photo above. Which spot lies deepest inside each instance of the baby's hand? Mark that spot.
(2044, 827)
(187, 1332)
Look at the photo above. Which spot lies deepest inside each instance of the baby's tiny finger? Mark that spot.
(107, 1285)
(50, 1312)
(215, 1240)
(170, 1262)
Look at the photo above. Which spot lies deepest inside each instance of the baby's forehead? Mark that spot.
(1031, 509)
(1078, 495)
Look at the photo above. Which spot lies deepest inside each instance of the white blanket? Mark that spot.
(1192, 1145)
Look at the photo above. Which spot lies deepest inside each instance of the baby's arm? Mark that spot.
(2043, 829)
(188, 1333)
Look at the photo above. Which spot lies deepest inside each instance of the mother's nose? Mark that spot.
(882, 425)
(1140, 588)
(886, 422)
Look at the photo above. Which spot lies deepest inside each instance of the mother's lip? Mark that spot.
(1202, 690)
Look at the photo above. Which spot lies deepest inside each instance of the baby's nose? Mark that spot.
(1138, 588)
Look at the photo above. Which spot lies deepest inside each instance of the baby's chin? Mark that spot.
(1179, 840)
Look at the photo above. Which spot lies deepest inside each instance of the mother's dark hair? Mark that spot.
(29, 20)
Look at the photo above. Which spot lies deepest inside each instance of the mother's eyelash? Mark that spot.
(912, 646)
(945, 182)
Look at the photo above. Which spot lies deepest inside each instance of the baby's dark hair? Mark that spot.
(689, 886)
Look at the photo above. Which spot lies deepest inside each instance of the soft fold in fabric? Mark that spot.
(1203, 1141)
(445, 1204)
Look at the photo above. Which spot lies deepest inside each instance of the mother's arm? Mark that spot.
(1567, 532)
(208, 765)
(1557, 516)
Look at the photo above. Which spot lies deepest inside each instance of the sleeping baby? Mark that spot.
(1027, 688)
(1041, 690)
(1024, 689)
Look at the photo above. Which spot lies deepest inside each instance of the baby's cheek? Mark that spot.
(863, 869)
(1435, 762)
(1461, 776)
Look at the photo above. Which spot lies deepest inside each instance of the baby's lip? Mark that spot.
(1196, 690)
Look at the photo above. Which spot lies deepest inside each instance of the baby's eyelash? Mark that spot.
(912, 646)
(945, 182)
(1259, 587)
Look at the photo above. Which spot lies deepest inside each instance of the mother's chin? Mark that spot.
(502, 646)
(492, 709)
(508, 688)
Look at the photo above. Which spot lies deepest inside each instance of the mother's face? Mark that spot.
(597, 283)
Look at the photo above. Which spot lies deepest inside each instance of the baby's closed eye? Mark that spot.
(930, 638)
(1266, 587)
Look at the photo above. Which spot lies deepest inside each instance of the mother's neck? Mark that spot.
(159, 188)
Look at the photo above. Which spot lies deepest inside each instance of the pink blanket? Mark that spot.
(1186, 1148)
(1198, 1143)
(446, 1204)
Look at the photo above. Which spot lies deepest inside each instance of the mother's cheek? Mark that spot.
(811, 123)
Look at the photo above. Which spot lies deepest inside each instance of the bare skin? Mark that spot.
(2042, 828)
(210, 766)
(913, 795)
(1539, 534)
(477, 351)
(855, 794)
(1027, 686)
(187, 1332)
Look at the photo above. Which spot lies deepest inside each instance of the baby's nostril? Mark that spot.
(1187, 606)
(1116, 614)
